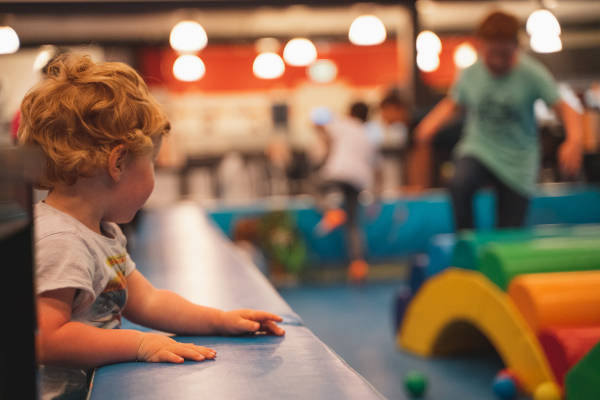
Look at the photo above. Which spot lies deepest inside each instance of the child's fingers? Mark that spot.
(189, 353)
(257, 315)
(206, 351)
(247, 325)
(167, 356)
(272, 327)
(199, 348)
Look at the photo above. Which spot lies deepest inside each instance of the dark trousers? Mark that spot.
(354, 240)
(471, 175)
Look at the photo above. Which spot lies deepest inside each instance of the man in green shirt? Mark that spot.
(500, 144)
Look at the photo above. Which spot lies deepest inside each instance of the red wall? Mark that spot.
(229, 68)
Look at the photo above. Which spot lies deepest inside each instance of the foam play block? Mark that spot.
(456, 308)
(583, 380)
(417, 274)
(470, 245)
(560, 299)
(402, 299)
(564, 347)
(501, 262)
(440, 251)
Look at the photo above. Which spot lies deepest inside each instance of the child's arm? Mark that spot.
(61, 341)
(570, 152)
(441, 114)
(167, 311)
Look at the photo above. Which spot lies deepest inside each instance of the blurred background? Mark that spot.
(228, 115)
(239, 80)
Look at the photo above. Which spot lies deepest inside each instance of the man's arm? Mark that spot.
(570, 152)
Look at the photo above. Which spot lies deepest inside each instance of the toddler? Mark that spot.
(100, 130)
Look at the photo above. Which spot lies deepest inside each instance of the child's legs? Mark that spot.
(511, 207)
(336, 195)
(329, 195)
(470, 175)
(354, 238)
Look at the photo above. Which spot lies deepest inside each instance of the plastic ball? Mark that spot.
(415, 383)
(513, 376)
(547, 391)
(504, 387)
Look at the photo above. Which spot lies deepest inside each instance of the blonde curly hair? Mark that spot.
(82, 110)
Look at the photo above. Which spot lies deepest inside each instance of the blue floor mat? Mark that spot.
(356, 322)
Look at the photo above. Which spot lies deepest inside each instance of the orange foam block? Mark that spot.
(560, 299)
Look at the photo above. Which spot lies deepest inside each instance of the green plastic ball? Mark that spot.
(415, 383)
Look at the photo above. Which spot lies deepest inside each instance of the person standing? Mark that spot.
(350, 167)
(500, 145)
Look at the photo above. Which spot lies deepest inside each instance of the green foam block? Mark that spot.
(501, 262)
(583, 380)
(470, 245)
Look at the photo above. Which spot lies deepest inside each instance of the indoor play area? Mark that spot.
(300, 199)
(497, 305)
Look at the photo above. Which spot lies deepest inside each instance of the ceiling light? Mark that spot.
(299, 52)
(428, 62)
(9, 40)
(322, 71)
(542, 22)
(188, 68)
(429, 42)
(268, 66)
(367, 30)
(188, 37)
(545, 43)
(465, 55)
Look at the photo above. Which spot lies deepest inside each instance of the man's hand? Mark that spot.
(238, 322)
(159, 348)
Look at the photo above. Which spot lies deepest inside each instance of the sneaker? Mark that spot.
(331, 220)
(358, 271)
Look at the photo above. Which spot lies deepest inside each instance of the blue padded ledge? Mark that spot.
(181, 250)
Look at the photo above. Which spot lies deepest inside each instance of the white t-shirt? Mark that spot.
(352, 155)
(70, 255)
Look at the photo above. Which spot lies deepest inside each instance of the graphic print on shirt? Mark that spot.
(497, 111)
(118, 281)
(106, 311)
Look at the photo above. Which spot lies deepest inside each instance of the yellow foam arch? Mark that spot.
(436, 321)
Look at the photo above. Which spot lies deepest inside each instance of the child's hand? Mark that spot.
(159, 348)
(238, 322)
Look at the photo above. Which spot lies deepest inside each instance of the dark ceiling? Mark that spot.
(126, 7)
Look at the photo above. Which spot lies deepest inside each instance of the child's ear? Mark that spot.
(116, 162)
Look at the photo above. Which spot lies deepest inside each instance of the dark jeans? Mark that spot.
(351, 207)
(471, 175)
(350, 202)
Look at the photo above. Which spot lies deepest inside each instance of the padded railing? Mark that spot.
(179, 249)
